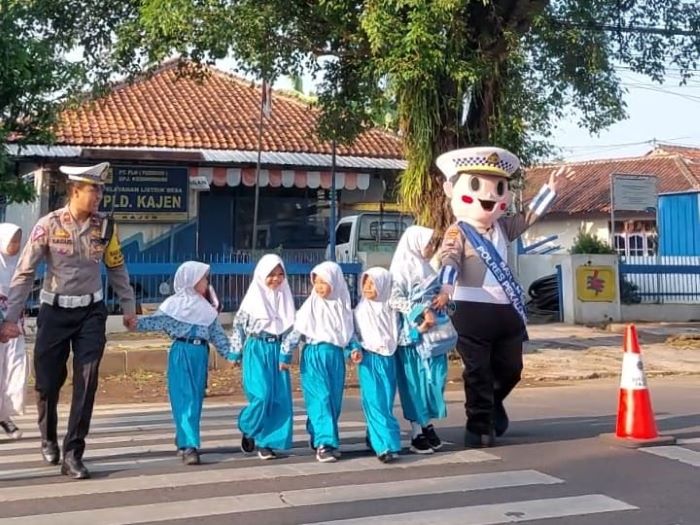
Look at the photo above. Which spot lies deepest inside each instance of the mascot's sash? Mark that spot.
(498, 267)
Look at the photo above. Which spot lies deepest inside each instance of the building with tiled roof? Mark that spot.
(171, 130)
(584, 203)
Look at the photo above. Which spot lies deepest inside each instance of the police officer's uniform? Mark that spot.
(72, 312)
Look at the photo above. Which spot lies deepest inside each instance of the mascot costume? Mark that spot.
(490, 305)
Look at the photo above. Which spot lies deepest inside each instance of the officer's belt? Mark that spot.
(70, 301)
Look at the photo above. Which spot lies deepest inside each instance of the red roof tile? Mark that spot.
(220, 112)
(686, 152)
(589, 189)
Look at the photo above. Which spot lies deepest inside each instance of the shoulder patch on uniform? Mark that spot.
(113, 256)
(452, 233)
(38, 232)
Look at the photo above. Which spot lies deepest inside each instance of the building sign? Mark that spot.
(147, 194)
(634, 193)
(596, 283)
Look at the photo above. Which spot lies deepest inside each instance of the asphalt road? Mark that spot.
(551, 468)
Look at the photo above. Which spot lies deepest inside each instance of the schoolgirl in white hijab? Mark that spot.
(13, 358)
(329, 319)
(421, 382)
(325, 323)
(191, 320)
(264, 317)
(376, 331)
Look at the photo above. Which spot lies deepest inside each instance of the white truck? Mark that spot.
(369, 238)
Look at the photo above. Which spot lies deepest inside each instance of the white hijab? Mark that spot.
(327, 320)
(7, 262)
(187, 306)
(272, 310)
(409, 266)
(375, 321)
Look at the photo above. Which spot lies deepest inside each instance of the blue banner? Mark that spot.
(147, 194)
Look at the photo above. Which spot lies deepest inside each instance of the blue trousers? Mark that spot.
(187, 376)
(377, 374)
(322, 370)
(421, 385)
(268, 417)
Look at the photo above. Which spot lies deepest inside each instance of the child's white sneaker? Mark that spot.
(266, 453)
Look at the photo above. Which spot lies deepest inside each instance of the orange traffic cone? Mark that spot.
(635, 417)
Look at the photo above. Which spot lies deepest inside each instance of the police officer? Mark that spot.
(73, 240)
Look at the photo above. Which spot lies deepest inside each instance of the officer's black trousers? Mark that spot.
(490, 344)
(59, 329)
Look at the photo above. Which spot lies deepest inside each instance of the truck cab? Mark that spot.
(369, 238)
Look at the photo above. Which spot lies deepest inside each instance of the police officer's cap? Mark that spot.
(480, 161)
(96, 174)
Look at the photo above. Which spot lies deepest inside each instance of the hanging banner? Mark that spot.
(147, 194)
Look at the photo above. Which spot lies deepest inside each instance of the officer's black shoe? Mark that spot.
(500, 419)
(474, 440)
(190, 456)
(74, 468)
(50, 452)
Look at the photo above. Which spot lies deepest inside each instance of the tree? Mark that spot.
(461, 72)
(458, 72)
(37, 78)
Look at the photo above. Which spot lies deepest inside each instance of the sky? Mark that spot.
(666, 113)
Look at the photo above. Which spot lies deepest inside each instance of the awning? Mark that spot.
(220, 176)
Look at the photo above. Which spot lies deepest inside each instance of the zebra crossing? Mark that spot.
(138, 479)
(683, 451)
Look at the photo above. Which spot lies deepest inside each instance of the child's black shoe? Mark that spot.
(325, 455)
(247, 445)
(420, 445)
(387, 457)
(190, 456)
(432, 437)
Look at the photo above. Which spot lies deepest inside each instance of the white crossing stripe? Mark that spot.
(233, 433)
(260, 472)
(140, 445)
(688, 441)
(511, 512)
(98, 428)
(682, 454)
(170, 447)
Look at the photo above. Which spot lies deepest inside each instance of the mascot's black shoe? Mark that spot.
(500, 419)
(474, 440)
(74, 468)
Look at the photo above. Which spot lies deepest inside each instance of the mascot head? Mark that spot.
(476, 182)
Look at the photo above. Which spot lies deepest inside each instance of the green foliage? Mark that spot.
(515, 66)
(587, 243)
(37, 78)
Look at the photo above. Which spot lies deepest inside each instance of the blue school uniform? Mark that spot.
(268, 418)
(322, 374)
(188, 359)
(420, 380)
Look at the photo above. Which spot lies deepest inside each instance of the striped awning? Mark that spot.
(220, 176)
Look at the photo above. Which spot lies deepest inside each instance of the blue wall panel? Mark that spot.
(679, 224)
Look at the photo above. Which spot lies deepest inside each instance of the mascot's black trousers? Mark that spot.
(491, 347)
